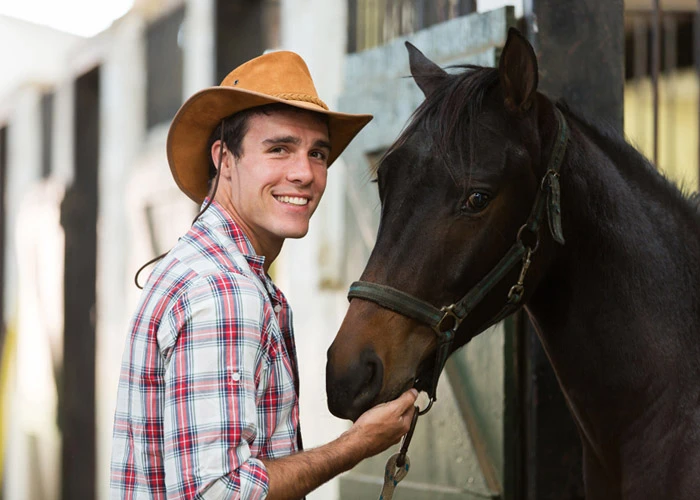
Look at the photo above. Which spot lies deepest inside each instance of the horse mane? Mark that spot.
(631, 162)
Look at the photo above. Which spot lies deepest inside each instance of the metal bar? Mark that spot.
(466, 7)
(351, 46)
(639, 68)
(419, 8)
(46, 133)
(670, 63)
(655, 69)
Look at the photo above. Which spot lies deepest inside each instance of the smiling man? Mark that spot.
(208, 403)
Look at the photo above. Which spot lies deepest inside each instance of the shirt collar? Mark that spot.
(216, 219)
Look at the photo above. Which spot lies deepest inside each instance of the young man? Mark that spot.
(208, 396)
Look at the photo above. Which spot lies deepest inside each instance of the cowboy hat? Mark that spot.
(276, 77)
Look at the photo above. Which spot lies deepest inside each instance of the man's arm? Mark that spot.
(213, 342)
(294, 476)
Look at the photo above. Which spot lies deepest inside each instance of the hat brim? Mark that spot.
(198, 117)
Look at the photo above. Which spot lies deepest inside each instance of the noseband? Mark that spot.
(446, 321)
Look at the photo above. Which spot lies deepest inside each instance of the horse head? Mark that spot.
(457, 188)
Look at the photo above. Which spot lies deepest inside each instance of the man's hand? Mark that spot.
(294, 476)
(384, 425)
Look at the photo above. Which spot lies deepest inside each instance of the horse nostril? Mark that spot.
(353, 390)
(371, 372)
(372, 383)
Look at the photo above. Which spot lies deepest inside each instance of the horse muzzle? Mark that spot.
(352, 387)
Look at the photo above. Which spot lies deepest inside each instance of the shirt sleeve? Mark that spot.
(213, 343)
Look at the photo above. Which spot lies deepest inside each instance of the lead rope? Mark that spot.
(398, 465)
(209, 202)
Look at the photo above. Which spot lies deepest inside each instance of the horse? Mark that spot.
(495, 198)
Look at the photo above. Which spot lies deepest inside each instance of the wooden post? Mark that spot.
(580, 47)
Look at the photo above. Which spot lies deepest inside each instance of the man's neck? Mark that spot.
(262, 244)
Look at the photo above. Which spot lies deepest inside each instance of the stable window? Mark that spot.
(376, 22)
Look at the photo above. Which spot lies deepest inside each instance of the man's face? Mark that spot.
(278, 181)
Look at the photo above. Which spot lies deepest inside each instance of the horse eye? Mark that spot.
(476, 202)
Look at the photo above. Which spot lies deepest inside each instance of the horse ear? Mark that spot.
(518, 73)
(426, 73)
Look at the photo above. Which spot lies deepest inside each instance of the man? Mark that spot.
(208, 396)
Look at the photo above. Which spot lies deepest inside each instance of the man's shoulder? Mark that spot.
(201, 252)
(191, 264)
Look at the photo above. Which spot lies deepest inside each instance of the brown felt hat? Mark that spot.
(276, 77)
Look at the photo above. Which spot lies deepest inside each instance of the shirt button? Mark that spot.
(278, 308)
(235, 376)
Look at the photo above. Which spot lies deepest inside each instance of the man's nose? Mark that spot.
(301, 171)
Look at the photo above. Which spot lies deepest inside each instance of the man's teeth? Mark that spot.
(293, 200)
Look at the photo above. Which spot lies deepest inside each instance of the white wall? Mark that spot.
(316, 29)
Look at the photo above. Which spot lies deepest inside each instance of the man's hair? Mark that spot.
(236, 127)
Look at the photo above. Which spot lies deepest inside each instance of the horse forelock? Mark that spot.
(443, 117)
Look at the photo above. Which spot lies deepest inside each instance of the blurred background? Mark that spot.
(87, 92)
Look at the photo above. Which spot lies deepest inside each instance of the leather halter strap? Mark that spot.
(446, 321)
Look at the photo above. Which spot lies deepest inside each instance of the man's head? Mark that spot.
(277, 77)
(236, 126)
(274, 163)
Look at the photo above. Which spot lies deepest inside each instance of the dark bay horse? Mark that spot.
(488, 169)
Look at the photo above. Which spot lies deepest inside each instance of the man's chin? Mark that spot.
(295, 233)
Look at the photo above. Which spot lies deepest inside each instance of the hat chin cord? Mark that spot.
(210, 199)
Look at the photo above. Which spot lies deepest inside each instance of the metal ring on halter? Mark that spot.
(519, 237)
(547, 174)
(427, 408)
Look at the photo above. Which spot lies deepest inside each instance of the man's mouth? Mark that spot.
(292, 200)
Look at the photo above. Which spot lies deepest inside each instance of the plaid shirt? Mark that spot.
(209, 380)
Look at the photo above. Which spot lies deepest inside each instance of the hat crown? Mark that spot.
(283, 75)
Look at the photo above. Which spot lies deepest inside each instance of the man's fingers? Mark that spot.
(408, 398)
(408, 413)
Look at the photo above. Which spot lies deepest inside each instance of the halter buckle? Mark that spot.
(516, 292)
(449, 321)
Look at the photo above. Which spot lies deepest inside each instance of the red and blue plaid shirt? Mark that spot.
(209, 381)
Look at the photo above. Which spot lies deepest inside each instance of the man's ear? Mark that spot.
(426, 73)
(518, 73)
(216, 150)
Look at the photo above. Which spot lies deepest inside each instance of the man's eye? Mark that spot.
(476, 202)
(320, 155)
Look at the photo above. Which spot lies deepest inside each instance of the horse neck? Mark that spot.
(618, 309)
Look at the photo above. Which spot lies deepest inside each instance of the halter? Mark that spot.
(446, 321)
